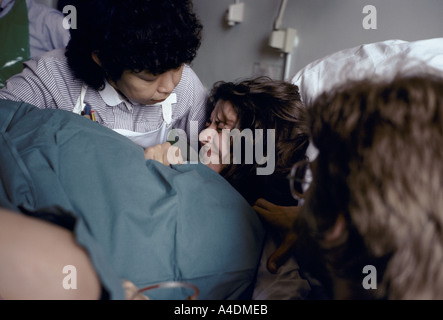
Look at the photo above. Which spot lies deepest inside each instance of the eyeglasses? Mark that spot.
(300, 179)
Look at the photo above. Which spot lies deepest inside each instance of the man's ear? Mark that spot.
(94, 56)
(337, 234)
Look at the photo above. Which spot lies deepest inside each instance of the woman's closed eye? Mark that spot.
(219, 125)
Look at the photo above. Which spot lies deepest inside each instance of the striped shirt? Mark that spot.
(48, 82)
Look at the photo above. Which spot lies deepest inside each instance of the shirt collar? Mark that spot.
(110, 95)
(112, 98)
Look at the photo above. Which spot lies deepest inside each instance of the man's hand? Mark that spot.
(164, 153)
(280, 219)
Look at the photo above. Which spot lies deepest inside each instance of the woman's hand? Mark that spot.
(280, 219)
(131, 291)
(164, 153)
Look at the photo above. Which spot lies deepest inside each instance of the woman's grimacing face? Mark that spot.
(215, 139)
(145, 88)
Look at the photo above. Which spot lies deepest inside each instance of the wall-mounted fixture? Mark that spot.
(235, 13)
(284, 40)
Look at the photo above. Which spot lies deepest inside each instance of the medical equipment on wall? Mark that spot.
(284, 39)
(235, 13)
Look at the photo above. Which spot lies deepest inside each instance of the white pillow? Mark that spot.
(381, 59)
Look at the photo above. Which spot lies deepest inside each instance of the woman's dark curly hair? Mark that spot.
(137, 35)
(263, 103)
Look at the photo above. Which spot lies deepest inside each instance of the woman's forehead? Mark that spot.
(224, 111)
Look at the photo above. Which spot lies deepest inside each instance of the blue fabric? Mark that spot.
(138, 220)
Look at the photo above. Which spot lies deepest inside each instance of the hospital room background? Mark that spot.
(279, 38)
(238, 34)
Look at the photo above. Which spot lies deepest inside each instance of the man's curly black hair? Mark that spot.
(137, 35)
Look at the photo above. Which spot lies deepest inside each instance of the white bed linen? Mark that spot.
(381, 59)
(289, 283)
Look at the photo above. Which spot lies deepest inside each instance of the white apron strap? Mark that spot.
(80, 105)
(167, 108)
